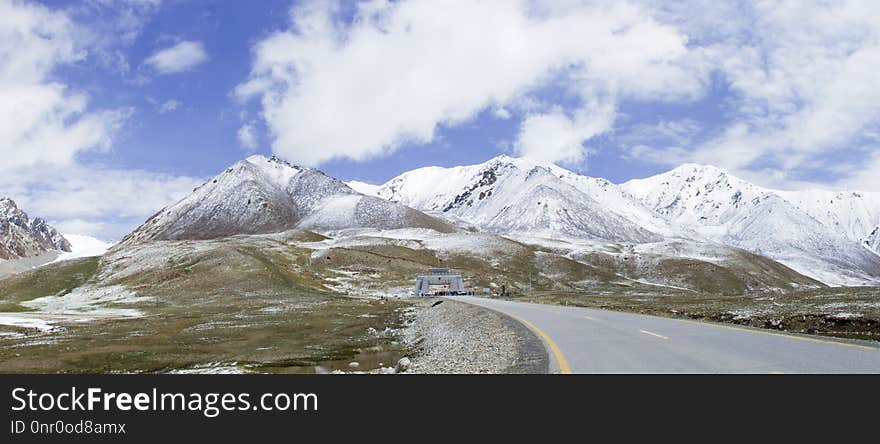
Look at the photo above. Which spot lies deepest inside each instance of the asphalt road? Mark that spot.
(582, 340)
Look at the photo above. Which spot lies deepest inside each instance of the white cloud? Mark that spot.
(79, 226)
(45, 124)
(112, 200)
(181, 57)
(44, 121)
(247, 138)
(401, 70)
(802, 76)
(168, 106)
(864, 175)
(667, 142)
(502, 113)
(111, 27)
(556, 137)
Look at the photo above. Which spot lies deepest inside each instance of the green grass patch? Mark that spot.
(52, 279)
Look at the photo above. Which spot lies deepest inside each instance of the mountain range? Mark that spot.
(829, 236)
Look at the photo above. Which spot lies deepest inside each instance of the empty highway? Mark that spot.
(582, 340)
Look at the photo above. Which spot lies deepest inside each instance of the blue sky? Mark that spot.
(132, 102)
(198, 137)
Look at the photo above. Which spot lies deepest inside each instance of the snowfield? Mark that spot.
(83, 246)
(26, 320)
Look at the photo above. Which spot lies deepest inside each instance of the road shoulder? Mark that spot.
(449, 336)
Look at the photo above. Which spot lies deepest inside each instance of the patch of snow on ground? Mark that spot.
(212, 369)
(90, 300)
(26, 321)
(465, 242)
(706, 252)
(415, 238)
(847, 315)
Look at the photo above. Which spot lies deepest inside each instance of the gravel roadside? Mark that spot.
(446, 336)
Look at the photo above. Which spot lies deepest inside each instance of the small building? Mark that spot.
(439, 281)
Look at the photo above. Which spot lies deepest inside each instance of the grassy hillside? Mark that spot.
(243, 304)
(52, 279)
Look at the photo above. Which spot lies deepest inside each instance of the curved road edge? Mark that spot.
(585, 340)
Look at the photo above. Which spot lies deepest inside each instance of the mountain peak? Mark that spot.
(261, 160)
(262, 195)
(701, 169)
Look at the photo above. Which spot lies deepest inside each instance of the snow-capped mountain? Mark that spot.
(265, 195)
(820, 234)
(853, 214)
(22, 237)
(735, 212)
(519, 197)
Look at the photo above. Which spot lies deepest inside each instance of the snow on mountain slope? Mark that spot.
(265, 195)
(22, 237)
(367, 189)
(852, 213)
(735, 212)
(517, 196)
(615, 198)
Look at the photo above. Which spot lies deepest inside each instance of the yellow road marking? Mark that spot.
(564, 368)
(770, 333)
(776, 373)
(653, 334)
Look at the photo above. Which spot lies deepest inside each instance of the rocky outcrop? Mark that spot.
(22, 237)
(872, 242)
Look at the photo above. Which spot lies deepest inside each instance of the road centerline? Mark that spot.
(653, 334)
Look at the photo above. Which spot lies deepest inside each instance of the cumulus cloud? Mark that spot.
(45, 124)
(796, 78)
(247, 138)
(556, 137)
(183, 56)
(801, 80)
(44, 121)
(400, 70)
